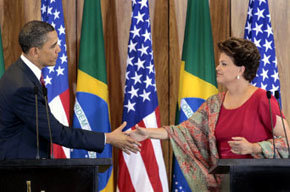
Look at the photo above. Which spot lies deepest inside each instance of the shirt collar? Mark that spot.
(36, 71)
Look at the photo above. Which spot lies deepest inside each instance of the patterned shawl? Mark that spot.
(194, 146)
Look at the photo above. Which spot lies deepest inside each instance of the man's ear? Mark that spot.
(33, 52)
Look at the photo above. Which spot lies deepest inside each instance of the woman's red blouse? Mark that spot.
(251, 120)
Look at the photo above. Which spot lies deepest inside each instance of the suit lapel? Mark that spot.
(31, 76)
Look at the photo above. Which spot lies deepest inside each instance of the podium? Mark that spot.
(54, 175)
(255, 174)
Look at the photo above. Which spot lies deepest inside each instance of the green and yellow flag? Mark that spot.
(197, 74)
(1, 56)
(91, 111)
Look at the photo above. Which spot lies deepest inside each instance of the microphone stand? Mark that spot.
(270, 110)
(48, 121)
(36, 121)
(277, 96)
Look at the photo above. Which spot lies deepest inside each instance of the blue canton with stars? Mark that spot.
(140, 89)
(56, 77)
(259, 30)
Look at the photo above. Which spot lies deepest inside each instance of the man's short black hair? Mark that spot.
(33, 34)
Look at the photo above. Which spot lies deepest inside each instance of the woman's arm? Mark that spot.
(279, 130)
(140, 134)
(240, 145)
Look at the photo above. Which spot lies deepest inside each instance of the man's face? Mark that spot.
(48, 53)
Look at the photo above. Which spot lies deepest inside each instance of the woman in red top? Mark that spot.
(234, 124)
(244, 118)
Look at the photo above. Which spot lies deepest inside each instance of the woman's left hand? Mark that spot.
(241, 146)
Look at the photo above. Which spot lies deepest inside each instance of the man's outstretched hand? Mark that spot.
(121, 140)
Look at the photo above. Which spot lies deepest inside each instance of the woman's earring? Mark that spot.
(238, 77)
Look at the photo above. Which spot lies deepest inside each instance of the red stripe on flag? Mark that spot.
(150, 163)
(149, 160)
(58, 151)
(64, 97)
(157, 115)
(124, 180)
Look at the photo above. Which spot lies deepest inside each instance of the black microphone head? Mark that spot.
(277, 94)
(44, 90)
(269, 94)
(35, 90)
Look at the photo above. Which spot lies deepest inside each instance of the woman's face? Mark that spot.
(227, 71)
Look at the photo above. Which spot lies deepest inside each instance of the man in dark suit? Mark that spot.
(38, 41)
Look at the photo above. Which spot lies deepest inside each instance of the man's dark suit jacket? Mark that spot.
(17, 119)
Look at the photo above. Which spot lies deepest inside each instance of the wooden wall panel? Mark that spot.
(280, 17)
(281, 29)
(123, 12)
(238, 17)
(16, 14)
(1, 12)
(69, 11)
(30, 9)
(160, 51)
(179, 11)
(220, 22)
(175, 37)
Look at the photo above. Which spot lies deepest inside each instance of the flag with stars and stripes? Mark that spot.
(144, 171)
(258, 29)
(56, 77)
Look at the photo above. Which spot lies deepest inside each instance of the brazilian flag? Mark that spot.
(197, 73)
(91, 111)
(1, 57)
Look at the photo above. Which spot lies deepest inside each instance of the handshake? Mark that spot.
(127, 141)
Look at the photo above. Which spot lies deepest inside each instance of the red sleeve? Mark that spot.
(264, 112)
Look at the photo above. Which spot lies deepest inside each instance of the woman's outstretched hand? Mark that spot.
(139, 134)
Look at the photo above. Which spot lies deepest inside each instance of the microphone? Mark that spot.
(35, 91)
(269, 94)
(44, 90)
(277, 96)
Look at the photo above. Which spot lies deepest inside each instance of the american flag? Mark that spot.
(144, 171)
(258, 29)
(56, 77)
